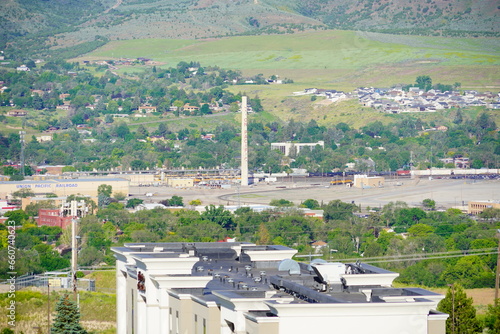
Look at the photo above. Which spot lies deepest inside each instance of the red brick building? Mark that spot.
(52, 217)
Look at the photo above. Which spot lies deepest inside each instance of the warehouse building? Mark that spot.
(477, 207)
(64, 187)
(364, 181)
(232, 287)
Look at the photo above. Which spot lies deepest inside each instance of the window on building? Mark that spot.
(204, 326)
(132, 309)
(176, 322)
(170, 321)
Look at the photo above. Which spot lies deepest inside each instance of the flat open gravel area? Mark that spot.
(446, 192)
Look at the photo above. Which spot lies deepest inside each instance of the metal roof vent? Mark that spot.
(310, 268)
(289, 265)
(329, 272)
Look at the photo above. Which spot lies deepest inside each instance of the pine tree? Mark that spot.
(462, 317)
(492, 319)
(67, 319)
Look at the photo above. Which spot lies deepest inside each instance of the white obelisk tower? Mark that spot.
(244, 142)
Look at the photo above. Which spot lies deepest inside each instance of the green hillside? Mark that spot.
(49, 27)
(341, 59)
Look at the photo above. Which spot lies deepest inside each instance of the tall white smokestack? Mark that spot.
(244, 142)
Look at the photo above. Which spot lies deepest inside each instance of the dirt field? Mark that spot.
(481, 297)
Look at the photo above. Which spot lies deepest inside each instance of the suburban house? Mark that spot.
(146, 109)
(17, 113)
(190, 108)
(23, 68)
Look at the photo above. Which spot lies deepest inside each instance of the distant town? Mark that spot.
(397, 100)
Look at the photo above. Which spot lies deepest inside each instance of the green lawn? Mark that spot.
(98, 310)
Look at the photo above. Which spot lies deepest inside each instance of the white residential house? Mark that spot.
(23, 68)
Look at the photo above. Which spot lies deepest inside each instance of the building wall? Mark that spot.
(438, 325)
(28, 200)
(363, 181)
(138, 179)
(208, 318)
(387, 318)
(476, 207)
(52, 217)
(180, 183)
(65, 187)
(286, 147)
(168, 305)
(262, 326)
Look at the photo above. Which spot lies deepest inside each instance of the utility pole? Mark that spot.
(74, 247)
(497, 278)
(48, 306)
(21, 140)
(453, 309)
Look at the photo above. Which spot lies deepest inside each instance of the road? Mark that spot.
(116, 5)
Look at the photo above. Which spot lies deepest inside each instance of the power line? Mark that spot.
(427, 258)
(425, 254)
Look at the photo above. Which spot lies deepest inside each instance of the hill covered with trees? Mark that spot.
(92, 124)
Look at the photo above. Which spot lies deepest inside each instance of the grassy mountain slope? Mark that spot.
(73, 22)
(429, 16)
(341, 60)
(338, 58)
(21, 17)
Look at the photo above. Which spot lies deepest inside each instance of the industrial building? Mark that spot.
(364, 181)
(476, 207)
(233, 287)
(64, 187)
(287, 147)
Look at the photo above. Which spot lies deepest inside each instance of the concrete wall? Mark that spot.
(180, 183)
(476, 207)
(363, 181)
(137, 179)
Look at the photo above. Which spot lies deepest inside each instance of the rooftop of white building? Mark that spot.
(244, 271)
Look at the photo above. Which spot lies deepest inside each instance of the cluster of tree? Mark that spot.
(462, 314)
(376, 146)
(378, 235)
(35, 251)
(425, 82)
